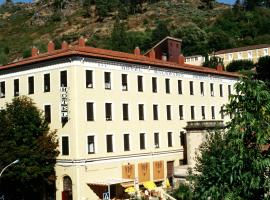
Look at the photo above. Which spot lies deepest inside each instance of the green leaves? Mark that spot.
(26, 136)
(235, 164)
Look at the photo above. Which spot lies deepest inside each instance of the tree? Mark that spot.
(213, 62)
(262, 69)
(234, 164)
(119, 37)
(194, 39)
(3, 59)
(25, 135)
(160, 32)
(239, 65)
(209, 3)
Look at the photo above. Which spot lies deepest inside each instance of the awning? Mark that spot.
(114, 181)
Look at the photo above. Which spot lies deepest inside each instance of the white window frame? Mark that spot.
(61, 144)
(94, 107)
(145, 141)
(130, 143)
(95, 144)
(250, 54)
(113, 143)
(93, 80)
(265, 51)
(240, 55)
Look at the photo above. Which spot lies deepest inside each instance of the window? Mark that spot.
(230, 56)
(181, 114)
(107, 77)
(169, 139)
(108, 111)
(240, 55)
(91, 144)
(154, 84)
(249, 54)
(140, 83)
(265, 52)
(126, 142)
(180, 87)
(65, 146)
(47, 83)
(191, 88)
(142, 140)
(168, 108)
(156, 140)
(16, 87)
(47, 113)
(31, 85)
(212, 89)
(229, 90)
(213, 112)
(141, 112)
(202, 88)
(167, 85)
(155, 112)
(183, 138)
(90, 111)
(109, 140)
(192, 112)
(63, 79)
(221, 90)
(2, 89)
(89, 79)
(125, 111)
(124, 82)
(222, 112)
(203, 112)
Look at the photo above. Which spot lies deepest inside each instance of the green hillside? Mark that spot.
(122, 25)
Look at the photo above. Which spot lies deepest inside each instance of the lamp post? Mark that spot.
(14, 162)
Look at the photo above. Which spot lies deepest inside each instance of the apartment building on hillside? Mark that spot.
(120, 117)
(253, 53)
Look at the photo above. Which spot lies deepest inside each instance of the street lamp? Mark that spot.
(14, 162)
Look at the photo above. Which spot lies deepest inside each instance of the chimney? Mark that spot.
(137, 51)
(81, 42)
(34, 51)
(64, 45)
(51, 47)
(152, 54)
(181, 59)
(219, 67)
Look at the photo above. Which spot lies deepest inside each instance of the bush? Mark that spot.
(213, 62)
(27, 53)
(239, 65)
(262, 69)
(3, 59)
(183, 192)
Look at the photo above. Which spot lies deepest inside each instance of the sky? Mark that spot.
(222, 1)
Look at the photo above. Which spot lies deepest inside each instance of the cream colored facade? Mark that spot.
(244, 53)
(195, 60)
(85, 168)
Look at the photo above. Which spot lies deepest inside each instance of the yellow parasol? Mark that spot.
(130, 190)
(149, 185)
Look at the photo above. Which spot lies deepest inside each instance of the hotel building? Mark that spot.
(119, 117)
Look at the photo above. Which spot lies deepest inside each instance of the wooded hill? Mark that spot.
(204, 25)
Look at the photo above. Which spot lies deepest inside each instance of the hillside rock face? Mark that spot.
(26, 24)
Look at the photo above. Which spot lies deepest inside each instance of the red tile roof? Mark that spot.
(113, 55)
(246, 48)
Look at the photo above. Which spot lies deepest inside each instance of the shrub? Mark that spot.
(239, 65)
(183, 192)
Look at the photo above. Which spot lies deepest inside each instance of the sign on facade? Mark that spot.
(106, 196)
(64, 104)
